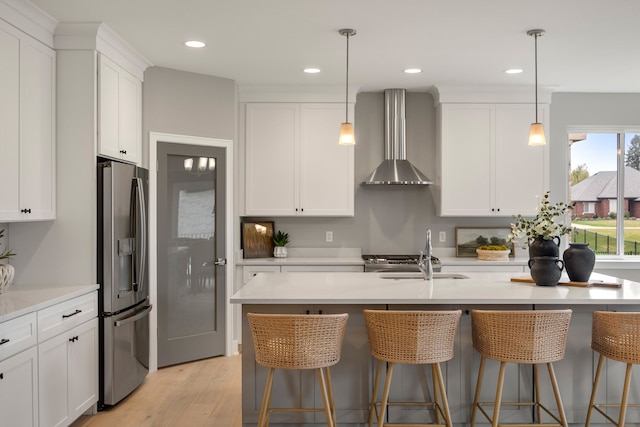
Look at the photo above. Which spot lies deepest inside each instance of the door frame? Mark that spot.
(227, 145)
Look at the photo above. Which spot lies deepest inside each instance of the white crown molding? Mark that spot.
(29, 18)
(490, 94)
(295, 93)
(99, 36)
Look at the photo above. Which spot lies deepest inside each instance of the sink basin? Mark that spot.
(414, 276)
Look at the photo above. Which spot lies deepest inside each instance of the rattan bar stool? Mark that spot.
(298, 341)
(524, 337)
(615, 335)
(411, 337)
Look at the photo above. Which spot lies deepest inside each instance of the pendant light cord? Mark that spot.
(346, 96)
(535, 38)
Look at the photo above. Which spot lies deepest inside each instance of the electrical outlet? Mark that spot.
(329, 236)
(443, 236)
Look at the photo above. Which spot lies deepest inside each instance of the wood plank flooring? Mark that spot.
(206, 393)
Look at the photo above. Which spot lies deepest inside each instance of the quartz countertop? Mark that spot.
(306, 260)
(478, 288)
(22, 299)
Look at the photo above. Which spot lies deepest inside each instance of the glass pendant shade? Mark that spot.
(536, 134)
(346, 134)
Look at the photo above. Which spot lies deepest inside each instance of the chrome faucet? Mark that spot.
(424, 262)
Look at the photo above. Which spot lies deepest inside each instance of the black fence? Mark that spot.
(602, 244)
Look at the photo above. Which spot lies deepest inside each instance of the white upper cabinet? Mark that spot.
(27, 120)
(293, 163)
(119, 112)
(486, 167)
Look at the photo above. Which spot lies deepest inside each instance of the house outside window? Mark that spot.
(605, 188)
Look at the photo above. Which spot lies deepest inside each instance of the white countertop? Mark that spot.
(370, 288)
(23, 299)
(302, 261)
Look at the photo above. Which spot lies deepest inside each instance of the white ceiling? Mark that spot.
(589, 45)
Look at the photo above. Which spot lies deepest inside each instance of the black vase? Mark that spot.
(579, 261)
(546, 270)
(542, 247)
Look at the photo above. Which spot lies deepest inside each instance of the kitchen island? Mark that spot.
(352, 376)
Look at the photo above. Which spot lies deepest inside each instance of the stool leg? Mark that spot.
(625, 395)
(332, 403)
(436, 387)
(385, 394)
(556, 392)
(263, 420)
(374, 393)
(325, 397)
(477, 394)
(498, 402)
(536, 385)
(443, 394)
(594, 390)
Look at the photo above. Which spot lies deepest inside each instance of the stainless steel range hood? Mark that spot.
(395, 169)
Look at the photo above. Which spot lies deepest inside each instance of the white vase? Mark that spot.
(280, 252)
(6, 276)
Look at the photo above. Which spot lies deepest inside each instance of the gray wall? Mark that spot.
(388, 219)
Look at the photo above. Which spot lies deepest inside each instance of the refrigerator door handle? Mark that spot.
(139, 232)
(135, 317)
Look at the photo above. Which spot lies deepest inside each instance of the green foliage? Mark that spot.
(543, 224)
(578, 174)
(6, 254)
(632, 156)
(280, 238)
(493, 248)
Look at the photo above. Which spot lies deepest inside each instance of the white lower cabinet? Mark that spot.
(19, 389)
(68, 374)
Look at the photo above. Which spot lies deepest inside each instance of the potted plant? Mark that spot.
(493, 253)
(6, 270)
(280, 240)
(542, 233)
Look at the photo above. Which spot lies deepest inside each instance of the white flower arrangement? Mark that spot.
(543, 224)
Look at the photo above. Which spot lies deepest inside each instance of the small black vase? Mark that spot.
(579, 261)
(546, 270)
(542, 247)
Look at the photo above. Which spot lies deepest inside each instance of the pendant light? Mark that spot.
(536, 134)
(346, 129)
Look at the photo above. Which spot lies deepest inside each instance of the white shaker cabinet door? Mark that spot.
(19, 389)
(271, 166)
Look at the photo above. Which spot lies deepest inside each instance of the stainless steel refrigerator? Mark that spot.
(123, 277)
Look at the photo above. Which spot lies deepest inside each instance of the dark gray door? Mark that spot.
(191, 252)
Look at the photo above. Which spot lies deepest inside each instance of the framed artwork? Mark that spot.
(468, 239)
(257, 239)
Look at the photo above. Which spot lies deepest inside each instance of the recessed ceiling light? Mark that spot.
(195, 43)
(413, 70)
(311, 70)
(513, 71)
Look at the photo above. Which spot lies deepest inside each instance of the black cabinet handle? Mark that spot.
(25, 210)
(73, 339)
(1, 375)
(123, 151)
(4, 341)
(64, 316)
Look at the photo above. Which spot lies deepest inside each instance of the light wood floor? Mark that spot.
(203, 393)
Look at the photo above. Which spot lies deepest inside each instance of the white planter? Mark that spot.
(280, 252)
(6, 276)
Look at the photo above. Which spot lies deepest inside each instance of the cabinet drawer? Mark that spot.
(249, 273)
(66, 315)
(17, 334)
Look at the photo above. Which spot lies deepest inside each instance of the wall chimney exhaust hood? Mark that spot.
(395, 168)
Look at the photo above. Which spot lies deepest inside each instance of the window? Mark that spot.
(605, 187)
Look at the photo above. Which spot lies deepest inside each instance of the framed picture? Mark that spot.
(468, 239)
(257, 239)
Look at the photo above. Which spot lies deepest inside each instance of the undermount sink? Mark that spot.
(414, 276)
